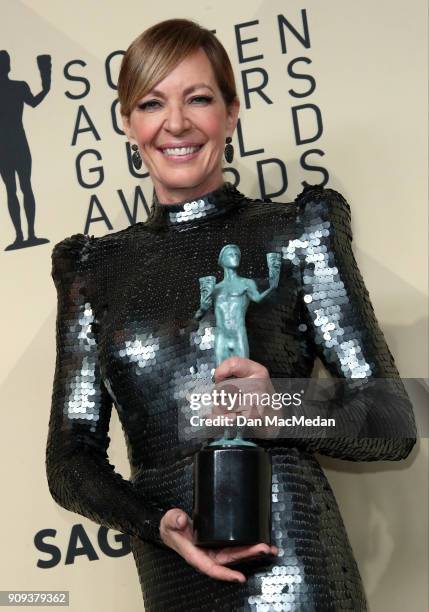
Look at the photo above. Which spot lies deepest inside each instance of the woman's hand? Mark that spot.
(177, 532)
(250, 376)
(241, 368)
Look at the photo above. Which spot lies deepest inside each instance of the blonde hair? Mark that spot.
(159, 49)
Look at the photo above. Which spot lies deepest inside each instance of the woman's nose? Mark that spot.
(176, 120)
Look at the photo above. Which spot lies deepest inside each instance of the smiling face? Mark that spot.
(180, 128)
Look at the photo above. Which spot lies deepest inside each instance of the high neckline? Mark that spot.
(205, 207)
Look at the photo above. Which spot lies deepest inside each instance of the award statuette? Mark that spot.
(232, 476)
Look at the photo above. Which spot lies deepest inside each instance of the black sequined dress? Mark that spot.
(126, 337)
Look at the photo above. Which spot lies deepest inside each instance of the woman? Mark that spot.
(127, 335)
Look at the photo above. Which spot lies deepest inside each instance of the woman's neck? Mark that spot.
(198, 209)
(176, 196)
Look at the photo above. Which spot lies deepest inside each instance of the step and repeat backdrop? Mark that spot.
(331, 92)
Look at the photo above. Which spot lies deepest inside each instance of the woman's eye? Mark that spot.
(154, 104)
(149, 104)
(202, 99)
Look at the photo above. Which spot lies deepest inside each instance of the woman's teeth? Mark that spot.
(181, 150)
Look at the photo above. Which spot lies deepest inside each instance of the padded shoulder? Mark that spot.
(317, 203)
(69, 254)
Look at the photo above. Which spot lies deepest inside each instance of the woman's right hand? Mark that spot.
(177, 532)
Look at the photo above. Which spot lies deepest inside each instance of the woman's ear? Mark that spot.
(233, 110)
(127, 127)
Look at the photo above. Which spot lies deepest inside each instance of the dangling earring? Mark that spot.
(229, 150)
(137, 160)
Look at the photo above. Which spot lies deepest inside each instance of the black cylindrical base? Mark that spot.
(232, 496)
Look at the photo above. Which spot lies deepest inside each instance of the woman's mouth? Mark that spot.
(181, 153)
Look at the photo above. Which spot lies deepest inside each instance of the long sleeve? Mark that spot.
(372, 409)
(80, 477)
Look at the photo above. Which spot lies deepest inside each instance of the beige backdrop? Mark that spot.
(369, 63)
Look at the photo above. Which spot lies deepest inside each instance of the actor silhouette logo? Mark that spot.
(15, 156)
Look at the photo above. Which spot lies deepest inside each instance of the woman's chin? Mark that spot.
(185, 180)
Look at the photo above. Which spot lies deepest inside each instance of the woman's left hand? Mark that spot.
(256, 375)
(241, 367)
